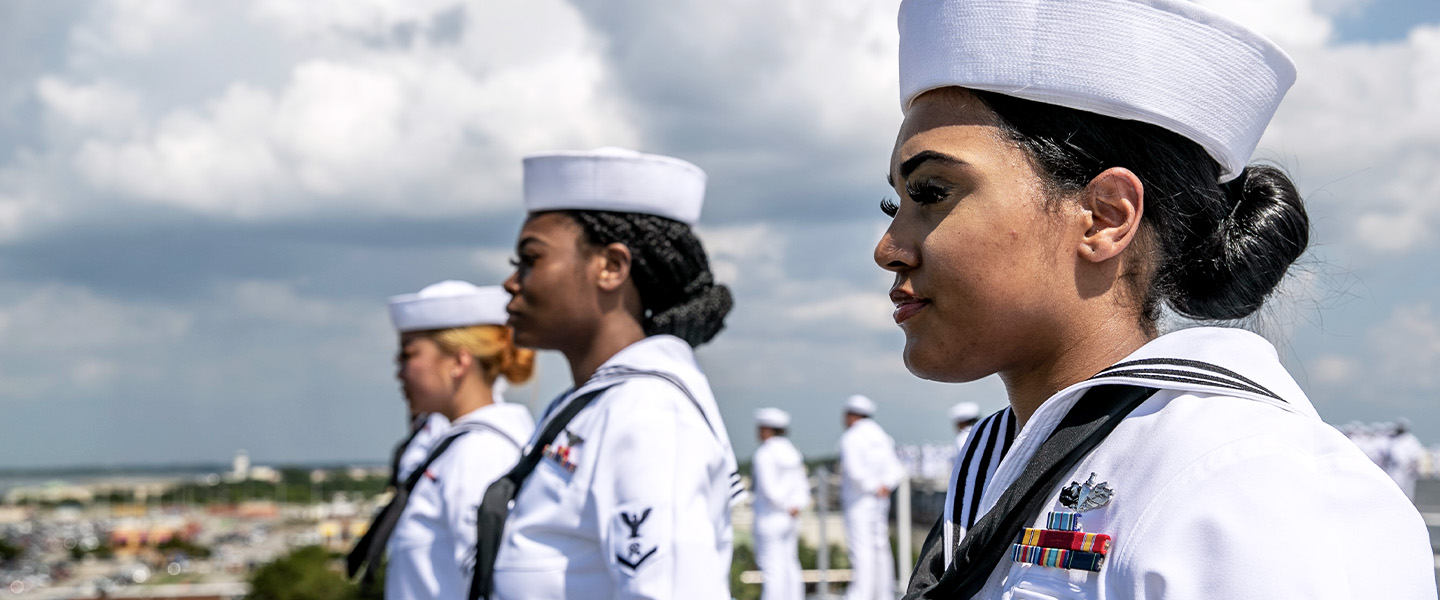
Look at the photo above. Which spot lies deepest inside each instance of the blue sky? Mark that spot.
(203, 206)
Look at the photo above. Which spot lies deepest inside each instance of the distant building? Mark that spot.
(240, 467)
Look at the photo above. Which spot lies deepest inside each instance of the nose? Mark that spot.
(894, 253)
(512, 283)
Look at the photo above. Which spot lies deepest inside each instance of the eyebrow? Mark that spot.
(526, 241)
(914, 162)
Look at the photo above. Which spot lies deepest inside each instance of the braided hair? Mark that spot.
(670, 270)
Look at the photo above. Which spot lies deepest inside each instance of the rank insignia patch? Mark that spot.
(636, 534)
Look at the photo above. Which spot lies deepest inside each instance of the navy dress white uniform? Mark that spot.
(1251, 495)
(634, 501)
(870, 469)
(1224, 483)
(781, 486)
(633, 497)
(432, 549)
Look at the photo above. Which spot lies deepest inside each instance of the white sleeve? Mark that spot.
(651, 491)
(1268, 522)
(472, 463)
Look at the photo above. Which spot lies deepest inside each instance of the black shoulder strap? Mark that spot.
(1093, 417)
(367, 552)
(495, 507)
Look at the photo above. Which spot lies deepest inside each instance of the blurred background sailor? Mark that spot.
(963, 415)
(454, 349)
(1403, 455)
(782, 490)
(870, 470)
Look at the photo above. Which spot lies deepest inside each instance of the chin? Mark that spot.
(926, 363)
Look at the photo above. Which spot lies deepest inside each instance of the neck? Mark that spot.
(613, 335)
(1083, 354)
(472, 394)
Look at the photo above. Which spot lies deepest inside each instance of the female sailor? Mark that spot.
(626, 491)
(454, 350)
(1068, 171)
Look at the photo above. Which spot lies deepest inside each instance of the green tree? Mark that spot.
(8, 551)
(304, 574)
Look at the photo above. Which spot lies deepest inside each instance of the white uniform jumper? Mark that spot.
(868, 463)
(1225, 484)
(780, 485)
(633, 498)
(432, 550)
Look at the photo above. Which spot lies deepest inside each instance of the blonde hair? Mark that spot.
(493, 348)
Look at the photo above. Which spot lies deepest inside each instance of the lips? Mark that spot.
(906, 304)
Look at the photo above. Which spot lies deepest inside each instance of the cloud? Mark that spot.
(222, 195)
(426, 129)
(1333, 369)
(1360, 132)
(1406, 348)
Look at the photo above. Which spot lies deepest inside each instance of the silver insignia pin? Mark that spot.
(1086, 496)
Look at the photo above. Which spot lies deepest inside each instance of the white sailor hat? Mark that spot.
(772, 417)
(614, 179)
(964, 411)
(1170, 63)
(860, 405)
(449, 304)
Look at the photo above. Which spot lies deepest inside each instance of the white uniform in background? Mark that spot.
(868, 463)
(432, 551)
(641, 507)
(1403, 465)
(432, 430)
(964, 411)
(1224, 484)
(780, 486)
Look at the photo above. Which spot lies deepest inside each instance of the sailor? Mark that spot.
(1404, 453)
(781, 491)
(870, 470)
(1068, 172)
(454, 350)
(626, 491)
(963, 415)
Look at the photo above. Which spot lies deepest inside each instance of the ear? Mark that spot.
(463, 361)
(614, 266)
(1113, 203)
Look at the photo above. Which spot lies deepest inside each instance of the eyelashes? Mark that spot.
(925, 191)
(889, 206)
(922, 192)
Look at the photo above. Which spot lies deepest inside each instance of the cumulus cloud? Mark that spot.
(1360, 131)
(224, 193)
(423, 129)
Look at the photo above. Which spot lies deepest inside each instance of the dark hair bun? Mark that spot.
(1229, 273)
(670, 269)
(697, 319)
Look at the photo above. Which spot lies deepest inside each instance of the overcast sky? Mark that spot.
(204, 205)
